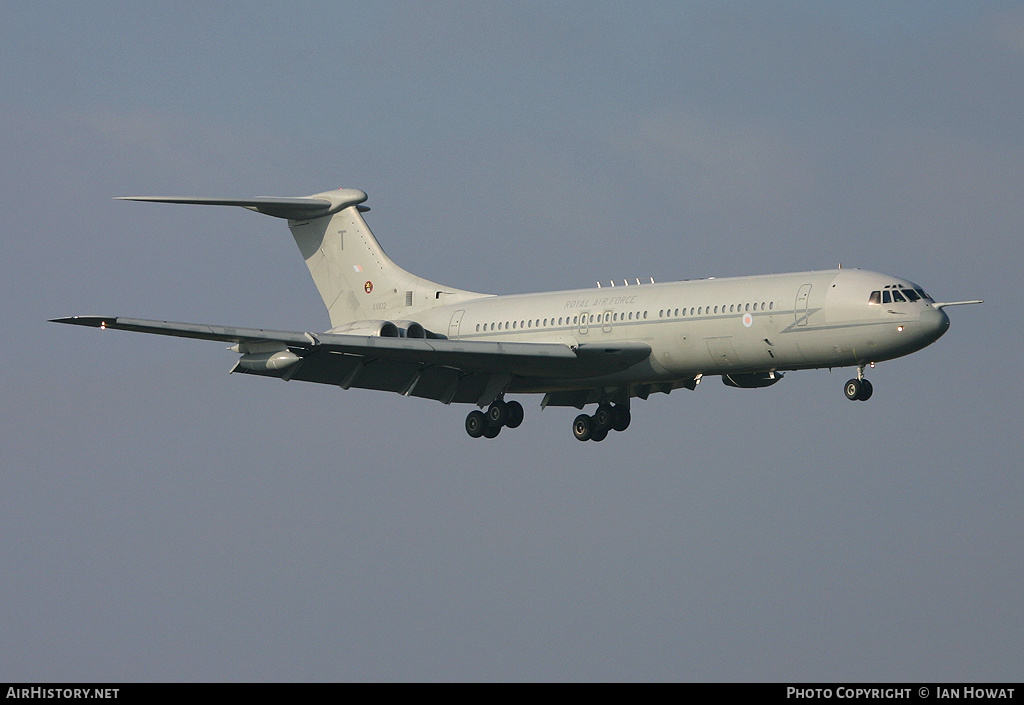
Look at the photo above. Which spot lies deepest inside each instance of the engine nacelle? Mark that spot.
(751, 380)
(380, 329)
(412, 329)
(267, 361)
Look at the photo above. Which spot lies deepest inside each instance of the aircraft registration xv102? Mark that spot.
(394, 331)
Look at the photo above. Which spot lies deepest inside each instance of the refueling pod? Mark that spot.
(266, 361)
(263, 356)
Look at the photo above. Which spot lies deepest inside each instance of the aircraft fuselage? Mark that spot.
(735, 325)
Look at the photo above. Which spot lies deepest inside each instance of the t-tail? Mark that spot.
(356, 279)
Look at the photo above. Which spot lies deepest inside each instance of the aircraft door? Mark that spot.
(606, 321)
(453, 327)
(583, 322)
(800, 309)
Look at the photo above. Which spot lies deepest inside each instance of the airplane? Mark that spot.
(394, 331)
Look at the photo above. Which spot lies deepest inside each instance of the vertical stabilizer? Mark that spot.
(356, 279)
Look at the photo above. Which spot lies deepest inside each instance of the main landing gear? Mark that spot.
(499, 414)
(858, 389)
(606, 418)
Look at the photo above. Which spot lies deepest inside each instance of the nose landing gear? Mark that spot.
(858, 389)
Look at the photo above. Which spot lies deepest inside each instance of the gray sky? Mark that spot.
(161, 520)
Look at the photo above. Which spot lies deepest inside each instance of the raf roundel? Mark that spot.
(748, 320)
(368, 287)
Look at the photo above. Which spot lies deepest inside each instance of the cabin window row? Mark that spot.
(705, 310)
(560, 321)
(627, 316)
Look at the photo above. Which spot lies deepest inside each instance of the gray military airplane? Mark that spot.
(393, 331)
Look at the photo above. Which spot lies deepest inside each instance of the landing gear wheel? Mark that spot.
(491, 431)
(853, 389)
(497, 413)
(865, 390)
(599, 434)
(583, 427)
(515, 414)
(476, 423)
(622, 418)
(604, 417)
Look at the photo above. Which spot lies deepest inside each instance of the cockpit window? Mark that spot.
(894, 293)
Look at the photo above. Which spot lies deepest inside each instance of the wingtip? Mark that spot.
(94, 321)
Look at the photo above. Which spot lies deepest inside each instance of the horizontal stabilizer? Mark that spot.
(290, 208)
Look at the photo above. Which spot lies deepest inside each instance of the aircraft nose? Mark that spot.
(934, 322)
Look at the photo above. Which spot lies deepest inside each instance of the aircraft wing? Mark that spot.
(225, 334)
(446, 370)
